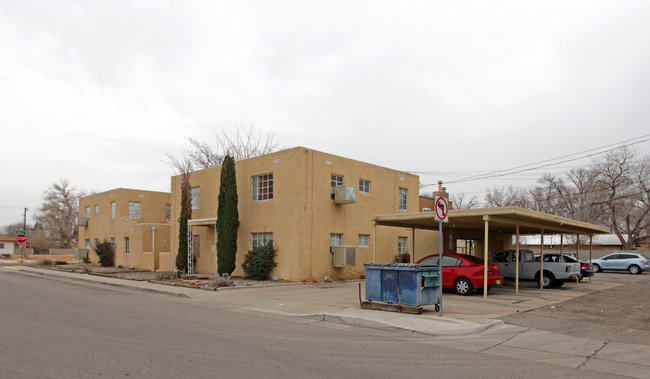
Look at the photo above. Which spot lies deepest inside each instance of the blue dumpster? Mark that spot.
(403, 283)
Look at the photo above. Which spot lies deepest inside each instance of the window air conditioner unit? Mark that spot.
(344, 194)
(344, 256)
(82, 221)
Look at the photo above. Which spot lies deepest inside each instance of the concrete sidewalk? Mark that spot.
(471, 323)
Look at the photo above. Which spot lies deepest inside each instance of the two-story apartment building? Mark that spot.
(135, 221)
(305, 201)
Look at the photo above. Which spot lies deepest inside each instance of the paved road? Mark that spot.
(55, 328)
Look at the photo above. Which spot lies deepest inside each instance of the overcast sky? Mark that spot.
(94, 91)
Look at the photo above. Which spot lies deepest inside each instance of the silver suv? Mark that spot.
(632, 262)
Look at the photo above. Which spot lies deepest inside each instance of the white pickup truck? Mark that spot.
(555, 273)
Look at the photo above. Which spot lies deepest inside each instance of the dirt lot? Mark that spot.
(619, 314)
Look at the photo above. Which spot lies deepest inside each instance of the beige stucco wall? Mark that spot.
(302, 215)
(142, 237)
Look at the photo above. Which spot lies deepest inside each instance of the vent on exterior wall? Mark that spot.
(344, 256)
(344, 194)
(82, 221)
(426, 209)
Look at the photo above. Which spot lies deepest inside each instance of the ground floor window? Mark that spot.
(364, 240)
(401, 245)
(261, 239)
(126, 245)
(336, 239)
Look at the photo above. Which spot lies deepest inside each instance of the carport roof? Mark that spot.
(501, 219)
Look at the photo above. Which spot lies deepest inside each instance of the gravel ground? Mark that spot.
(131, 274)
(619, 314)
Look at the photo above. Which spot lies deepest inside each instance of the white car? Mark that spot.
(632, 262)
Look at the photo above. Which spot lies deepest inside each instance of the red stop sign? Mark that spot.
(21, 239)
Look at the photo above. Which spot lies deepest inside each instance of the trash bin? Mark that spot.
(403, 283)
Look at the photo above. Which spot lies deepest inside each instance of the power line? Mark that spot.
(525, 168)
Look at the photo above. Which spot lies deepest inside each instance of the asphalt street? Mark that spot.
(70, 329)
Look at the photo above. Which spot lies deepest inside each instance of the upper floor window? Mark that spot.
(87, 212)
(262, 187)
(364, 186)
(261, 239)
(403, 198)
(134, 209)
(96, 208)
(195, 193)
(168, 211)
(337, 180)
(112, 209)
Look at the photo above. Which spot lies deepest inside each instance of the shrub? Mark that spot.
(167, 275)
(45, 262)
(106, 254)
(260, 261)
(221, 281)
(59, 263)
(85, 259)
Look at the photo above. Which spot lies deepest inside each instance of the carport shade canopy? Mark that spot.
(468, 223)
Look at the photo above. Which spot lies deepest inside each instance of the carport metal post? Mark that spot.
(517, 262)
(541, 263)
(485, 257)
(591, 249)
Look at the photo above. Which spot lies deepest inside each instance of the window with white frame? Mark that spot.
(336, 180)
(126, 245)
(364, 240)
(113, 242)
(134, 209)
(336, 239)
(401, 245)
(262, 187)
(96, 241)
(96, 208)
(403, 198)
(2, 245)
(112, 209)
(87, 243)
(364, 186)
(88, 212)
(261, 239)
(195, 193)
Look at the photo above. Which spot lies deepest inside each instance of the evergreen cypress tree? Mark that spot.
(186, 214)
(227, 218)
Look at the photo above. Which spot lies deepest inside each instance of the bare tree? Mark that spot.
(504, 197)
(241, 144)
(58, 213)
(625, 184)
(460, 201)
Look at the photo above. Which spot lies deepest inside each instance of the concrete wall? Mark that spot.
(140, 231)
(302, 214)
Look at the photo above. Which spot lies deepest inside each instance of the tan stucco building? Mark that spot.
(289, 197)
(135, 221)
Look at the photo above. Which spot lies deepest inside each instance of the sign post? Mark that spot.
(441, 211)
(21, 238)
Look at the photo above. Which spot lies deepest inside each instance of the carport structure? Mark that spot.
(472, 224)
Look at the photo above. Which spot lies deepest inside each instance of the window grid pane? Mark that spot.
(134, 209)
(126, 245)
(262, 187)
(261, 239)
(364, 240)
(364, 186)
(336, 239)
(196, 197)
(401, 245)
(403, 198)
(337, 180)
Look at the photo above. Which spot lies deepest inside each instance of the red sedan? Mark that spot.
(463, 273)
